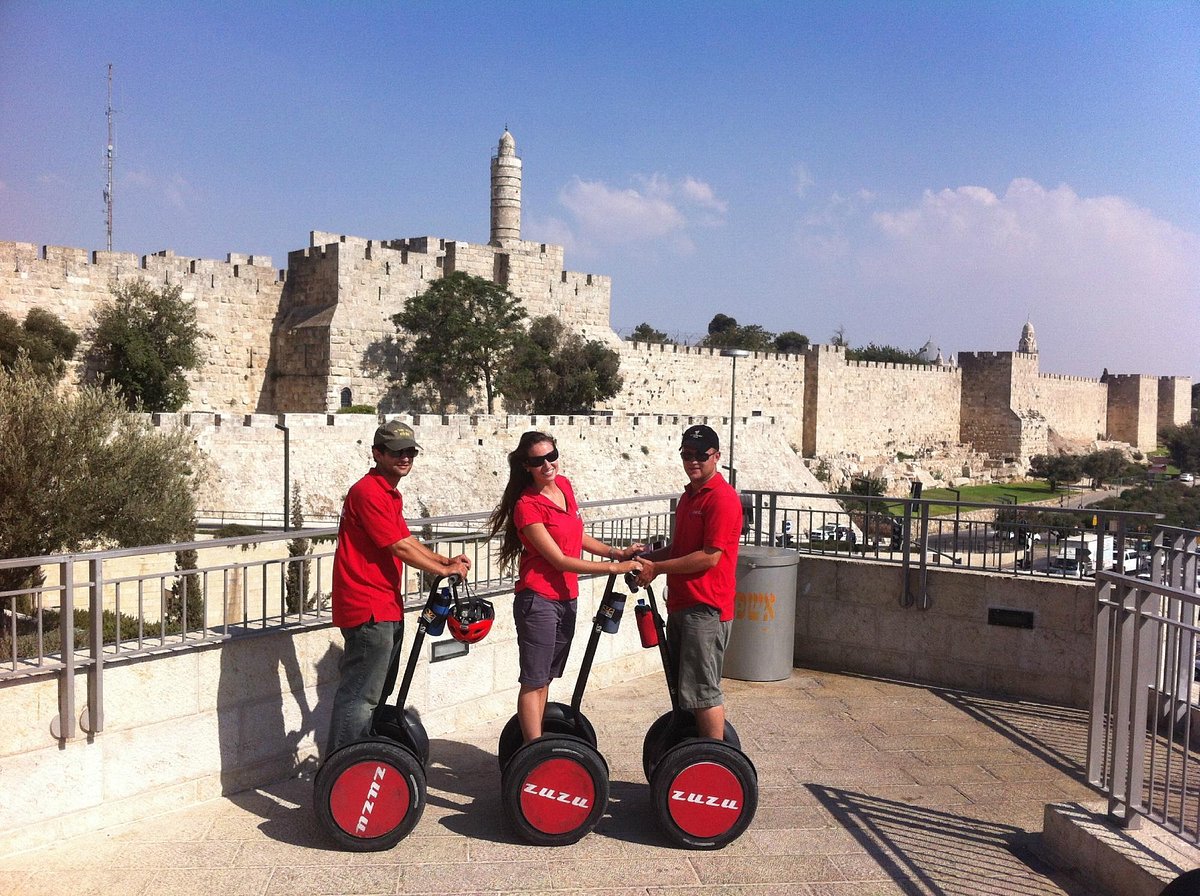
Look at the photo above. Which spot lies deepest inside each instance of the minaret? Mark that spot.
(506, 192)
(1028, 343)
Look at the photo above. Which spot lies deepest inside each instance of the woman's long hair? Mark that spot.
(519, 479)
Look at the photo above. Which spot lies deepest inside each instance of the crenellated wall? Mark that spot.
(235, 300)
(463, 463)
(857, 407)
(681, 379)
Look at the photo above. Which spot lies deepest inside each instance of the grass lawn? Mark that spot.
(995, 493)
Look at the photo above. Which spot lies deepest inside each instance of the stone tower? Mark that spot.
(506, 192)
(1028, 343)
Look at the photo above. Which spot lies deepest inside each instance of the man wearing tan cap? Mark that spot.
(374, 543)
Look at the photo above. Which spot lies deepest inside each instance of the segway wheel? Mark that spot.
(370, 794)
(405, 728)
(559, 719)
(674, 728)
(705, 793)
(554, 790)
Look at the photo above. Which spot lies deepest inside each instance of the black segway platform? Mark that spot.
(555, 788)
(370, 794)
(704, 791)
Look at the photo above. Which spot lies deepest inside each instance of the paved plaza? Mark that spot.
(867, 787)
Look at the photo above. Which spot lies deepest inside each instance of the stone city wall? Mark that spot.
(681, 379)
(1133, 410)
(1174, 401)
(463, 465)
(236, 302)
(863, 407)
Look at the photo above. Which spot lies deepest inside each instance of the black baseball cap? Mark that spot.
(701, 435)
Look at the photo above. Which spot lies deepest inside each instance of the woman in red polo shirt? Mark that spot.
(542, 532)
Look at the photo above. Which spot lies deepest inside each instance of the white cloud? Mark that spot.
(1104, 281)
(802, 180)
(657, 209)
(174, 191)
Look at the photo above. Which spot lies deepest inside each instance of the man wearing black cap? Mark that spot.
(700, 566)
(373, 545)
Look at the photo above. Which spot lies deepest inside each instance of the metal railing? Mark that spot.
(65, 613)
(1144, 730)
(1029, 540)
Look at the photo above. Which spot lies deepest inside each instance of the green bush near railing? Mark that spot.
(116, 627)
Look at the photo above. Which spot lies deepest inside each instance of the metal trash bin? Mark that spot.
(763, 637)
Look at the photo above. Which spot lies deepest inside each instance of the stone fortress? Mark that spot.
(316, 336)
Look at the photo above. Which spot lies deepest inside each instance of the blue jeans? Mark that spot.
(367, 675)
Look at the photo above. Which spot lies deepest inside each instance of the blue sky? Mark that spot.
(906, 171)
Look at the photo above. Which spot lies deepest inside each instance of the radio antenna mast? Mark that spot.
(108, 158)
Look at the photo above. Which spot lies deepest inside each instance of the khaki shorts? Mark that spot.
(697, 639)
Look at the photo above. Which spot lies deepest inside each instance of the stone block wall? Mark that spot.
(858, 407)
(849, 618)
(1174, 401)
(235, 300)
(1076, 408)
(680, 379)
(998, 389)
(463, 465)
(1133, 410)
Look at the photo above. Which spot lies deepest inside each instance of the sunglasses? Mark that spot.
(689, 456)
(410, 453)
(533, 463)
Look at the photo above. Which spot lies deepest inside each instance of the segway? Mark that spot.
(370, 794)
(554, 789)
(704, 791)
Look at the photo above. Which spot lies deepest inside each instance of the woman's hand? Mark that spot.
(628, 553)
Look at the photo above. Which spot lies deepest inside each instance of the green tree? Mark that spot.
(725, 332)
(46, 340)
(458, 335)
(1107, 465)
(82, 471)
(883, 353)
(299, 570)
(643, 332)
(1183, 444)
(789, 342)
(1055, 468)
(556, 372)
(1179, 503)
(144, 343)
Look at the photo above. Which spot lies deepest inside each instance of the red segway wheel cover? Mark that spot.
(370, 795)
(705, 793)
(369, 798)
(557, 796)
(555, 790)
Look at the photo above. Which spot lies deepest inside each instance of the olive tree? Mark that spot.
(82, 471)
(458, 336)
(144, 342)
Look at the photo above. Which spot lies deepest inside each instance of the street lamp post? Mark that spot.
(287, 478)
(734, 353)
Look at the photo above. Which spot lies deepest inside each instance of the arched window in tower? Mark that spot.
(347, 398)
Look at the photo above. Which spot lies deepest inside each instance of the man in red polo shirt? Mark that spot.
(700, 565)
(374, 543)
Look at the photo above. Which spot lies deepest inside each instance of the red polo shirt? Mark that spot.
(564, 526)
(707, 517)
(367, 577)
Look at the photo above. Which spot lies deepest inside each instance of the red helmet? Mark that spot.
(470, 620)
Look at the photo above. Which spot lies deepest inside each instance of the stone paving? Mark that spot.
(867, 787)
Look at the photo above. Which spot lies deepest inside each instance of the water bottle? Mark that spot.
(610, 613)
(435, 614)
(645, 624)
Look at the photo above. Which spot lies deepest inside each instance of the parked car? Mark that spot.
(1187, 478)
(833, 532)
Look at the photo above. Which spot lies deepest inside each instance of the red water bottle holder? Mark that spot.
(645, 624)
